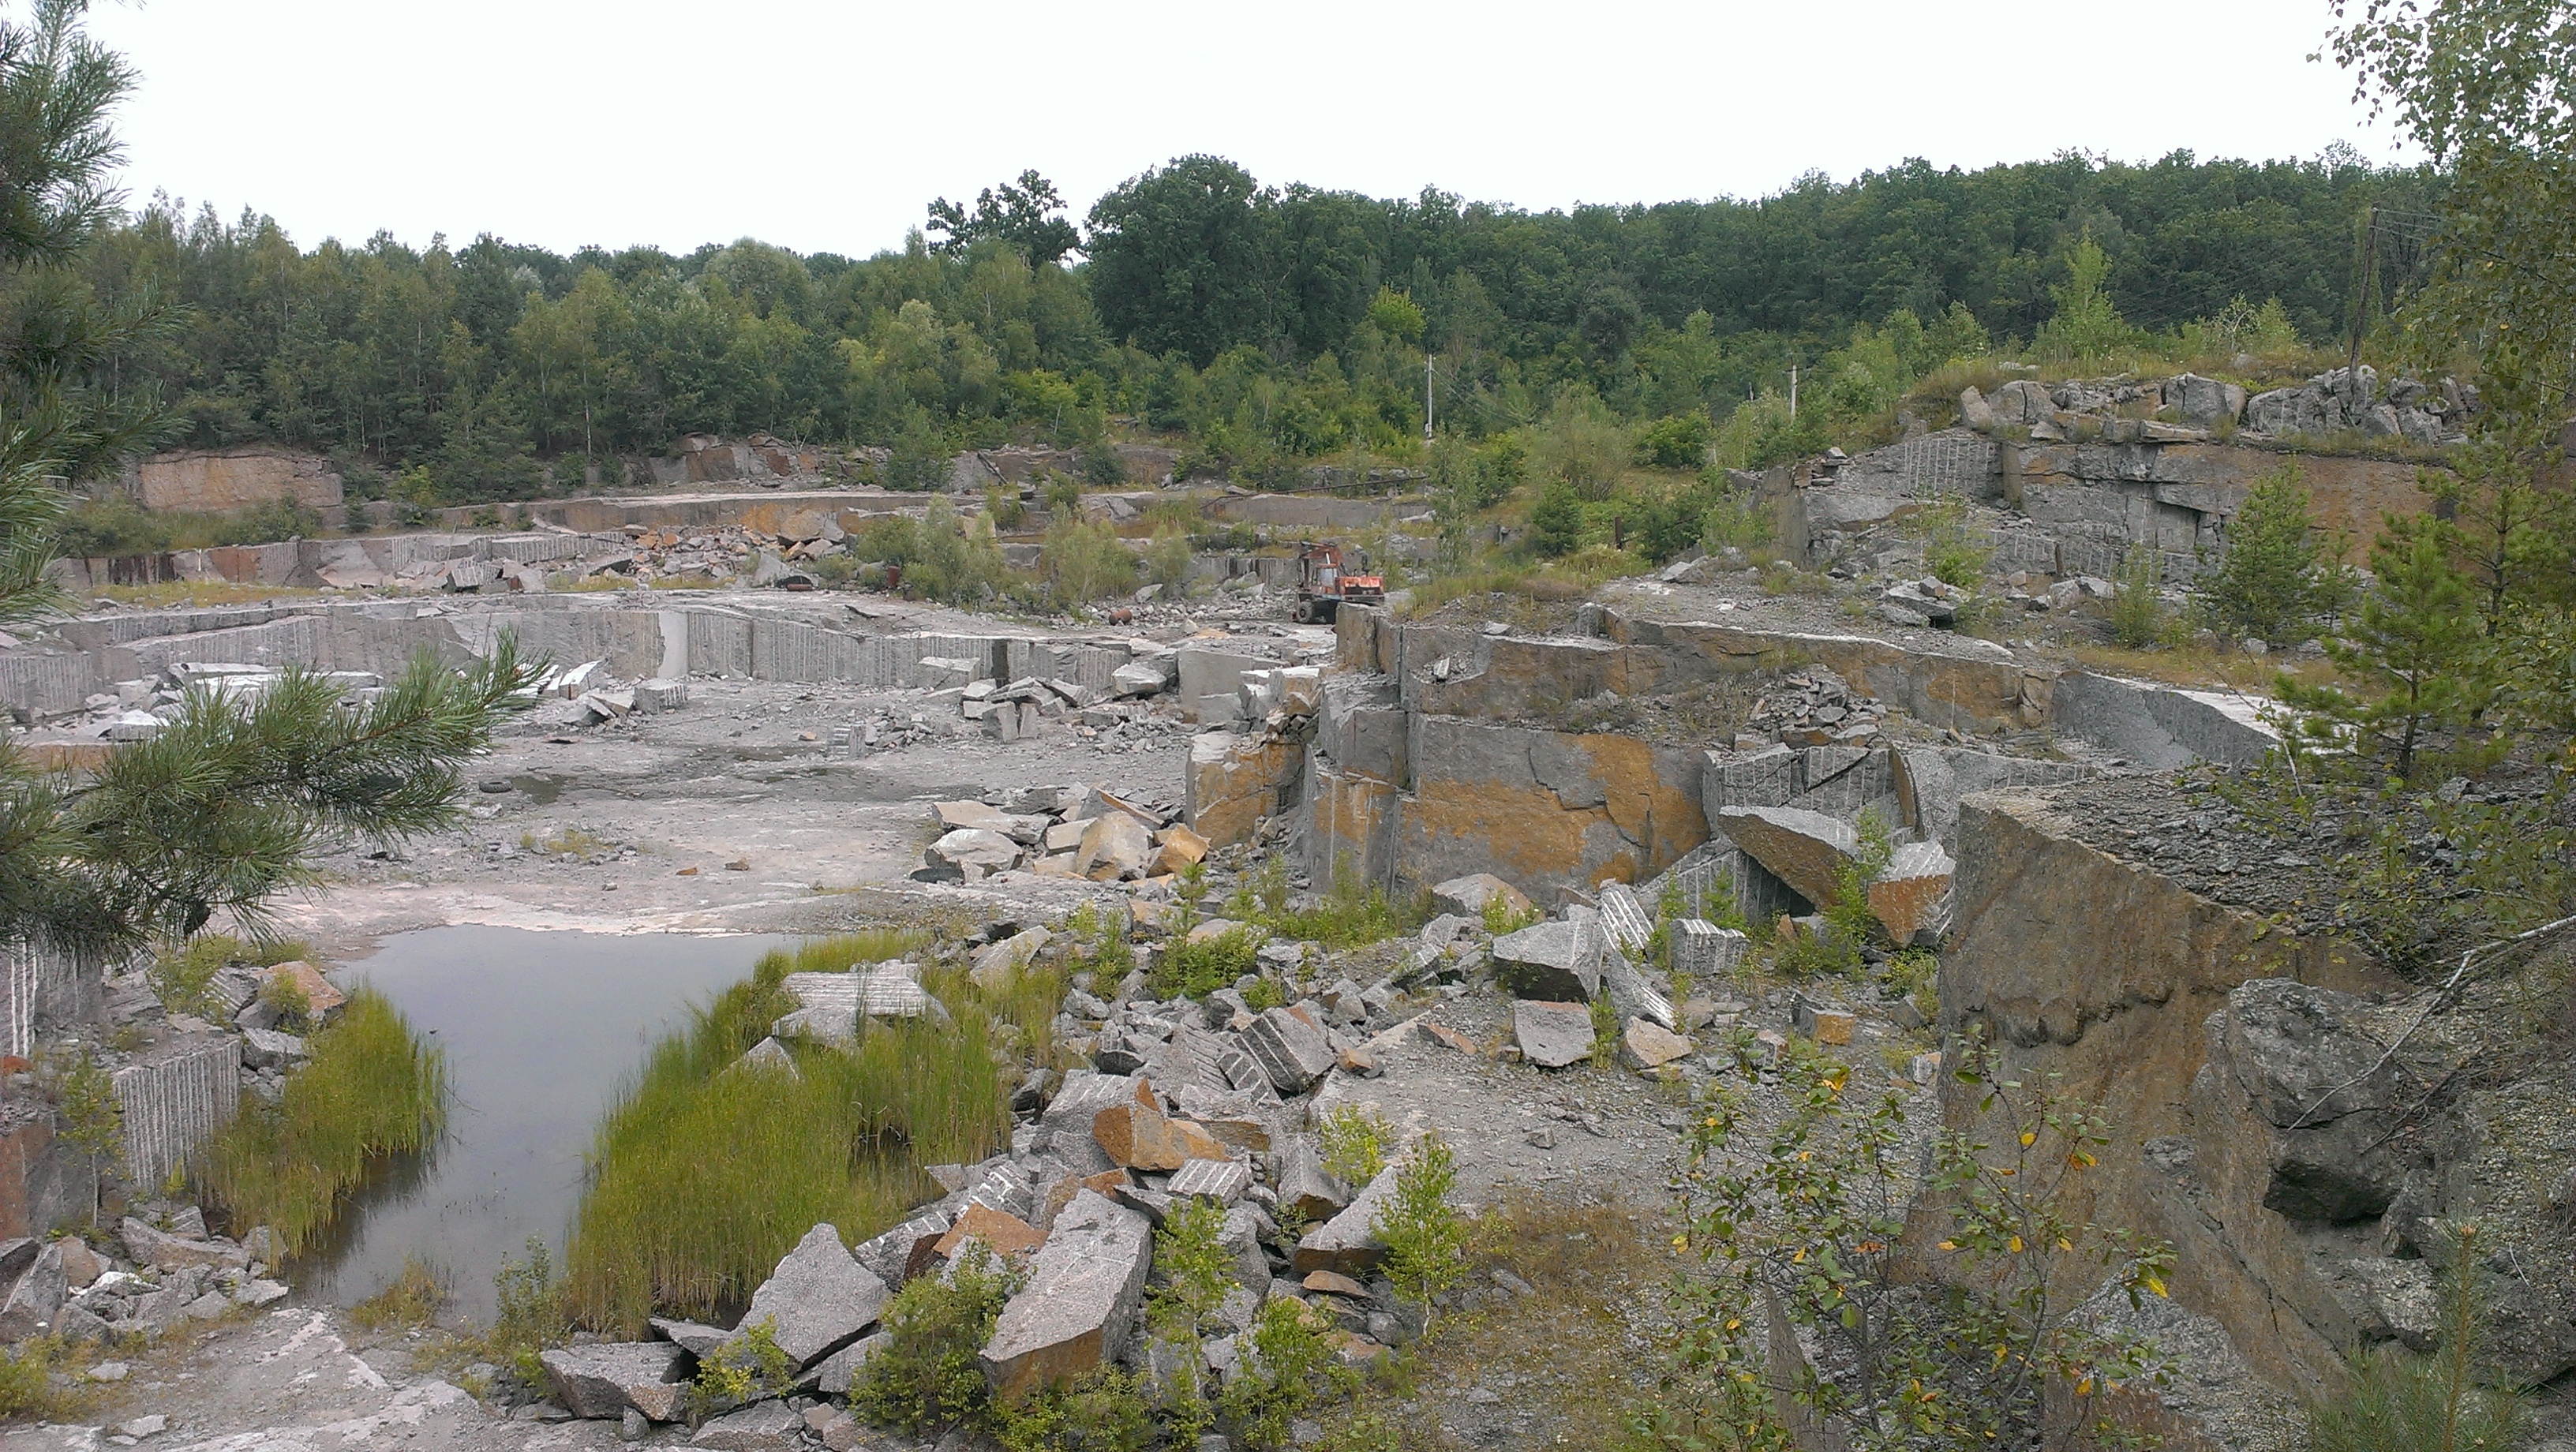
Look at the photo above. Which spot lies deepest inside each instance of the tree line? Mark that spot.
(1263, 322)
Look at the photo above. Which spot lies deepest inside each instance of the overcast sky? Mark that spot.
(827, 127)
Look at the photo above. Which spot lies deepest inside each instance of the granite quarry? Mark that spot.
(1603, 810)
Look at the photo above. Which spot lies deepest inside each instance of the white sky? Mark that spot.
(827, 127)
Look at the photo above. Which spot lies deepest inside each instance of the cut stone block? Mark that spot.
(1804, 849)
(818, 1299)
(1559, 962)
(1077, 1309)
(603, 1380)
(1467, 896)
(1292, 1051)
(1911, 899)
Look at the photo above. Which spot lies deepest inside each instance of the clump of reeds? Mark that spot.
(707, 1170)
(374, 1087)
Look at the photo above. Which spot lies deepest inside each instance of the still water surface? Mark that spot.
(541, 1031)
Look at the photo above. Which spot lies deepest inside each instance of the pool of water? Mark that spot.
(541, 1031)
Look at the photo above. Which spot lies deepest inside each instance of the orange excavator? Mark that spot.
(1322, 588)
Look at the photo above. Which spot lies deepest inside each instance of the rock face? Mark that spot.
(2325, 1095)
(606, 1378)
(207, 481)
(1078, 1307)
(1807, 850)
(1236, 780)
(1559, 962)
(818, 1300)
(1552, 1035)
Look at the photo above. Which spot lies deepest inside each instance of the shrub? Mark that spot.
(1101, 1412)
(1678, 442)
(530, 1315)
(374, 1087)
(1425, 1241)
(407, 1303)
(1288, 1372)
(1355, 1143)
(2397, 1401)
(1950, 550)
(1085, 560)
(928, 1376)
(2137, 615)
(1194, 970)
(1556, 521)
(741, 1370)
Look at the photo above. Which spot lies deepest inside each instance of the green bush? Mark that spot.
(2397, 1401)
(743, 1369)
(929, 1376)
(1289, 1372)
(1556, 521)
(1194, 970)
(1101, 1412)
(2266, 585)
(1678, 442)
(2138, 617)
(1195, 1267)
(1426, 1243)
(1085, 560)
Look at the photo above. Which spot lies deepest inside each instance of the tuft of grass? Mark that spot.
(1194, 970)
(707, 1171)
(28, 1389)
(409, 1303)
(374, 1087)
(182, 976)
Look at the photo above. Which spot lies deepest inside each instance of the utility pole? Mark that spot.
(2361, 310)
(1793, 392)
(1426, 398)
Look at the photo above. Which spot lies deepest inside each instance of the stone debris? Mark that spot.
(1552, 1035)
(1703, 950)
(817, 1300)
(1825, 1023)
(1077, 1308)
(1558, 961)
(604, 1379)
(1348, 1243)
(1807, 850)
(1466, 896)
(1290, 1049)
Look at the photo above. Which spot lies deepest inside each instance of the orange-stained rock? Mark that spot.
(1179, 848)
(1006, 1233)
(321, 1000)
(1912, 896)
(1232, 782)
(1141, 1138)
(1059, 1195)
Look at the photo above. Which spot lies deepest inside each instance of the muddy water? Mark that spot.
(541, 1029)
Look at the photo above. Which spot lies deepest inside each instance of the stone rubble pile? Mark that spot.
(162, 1271)
(1069, 830)
(1814, 707)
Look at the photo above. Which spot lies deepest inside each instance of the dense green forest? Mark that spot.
(1265, 324)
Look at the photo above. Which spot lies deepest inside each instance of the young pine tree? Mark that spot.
(2265, 588)
(2415, 636)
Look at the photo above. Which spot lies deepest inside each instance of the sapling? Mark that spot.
(1425, 1239)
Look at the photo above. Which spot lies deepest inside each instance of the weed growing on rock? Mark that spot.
(741, 1370)
(1605, 1032)
(374, 1087)
(2138, 618)
(1097, 946)
(1425, 1239)
(90, 1117)
(1500, 918)
(1195, 1267)
(928, 1377)
(529, 1317)
(1355, 1142)
(27, 1389)
(183, 977)
(1264, 994)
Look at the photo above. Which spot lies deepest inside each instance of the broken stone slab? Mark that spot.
(690, 1336)
(1304, 1185)
(1223, 1181)
(602, 1380)
(1348, 1242)
(1115, 846)
(1649, 1045)
(1807, 850)
(1137, 679)
(760, 1427)
(1911, 898)
(1702, 949)
(834, 1373)
(1290, 1049)
(1077, 1309)
(973, 852)
(270, 1049)
(1826, 1023)
(1141, 1137)
(1466, 896)
(1630, 994)
(770, 1055)
(1559, 962)
(818, 1299)
(995, 964)
(1178, 849)
(1552, 1035)
(37, 1297)
(166, 1252)
(1624, 919)
(975, 816)
(1004, 1233)
(891, 1255)
(658, 696)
